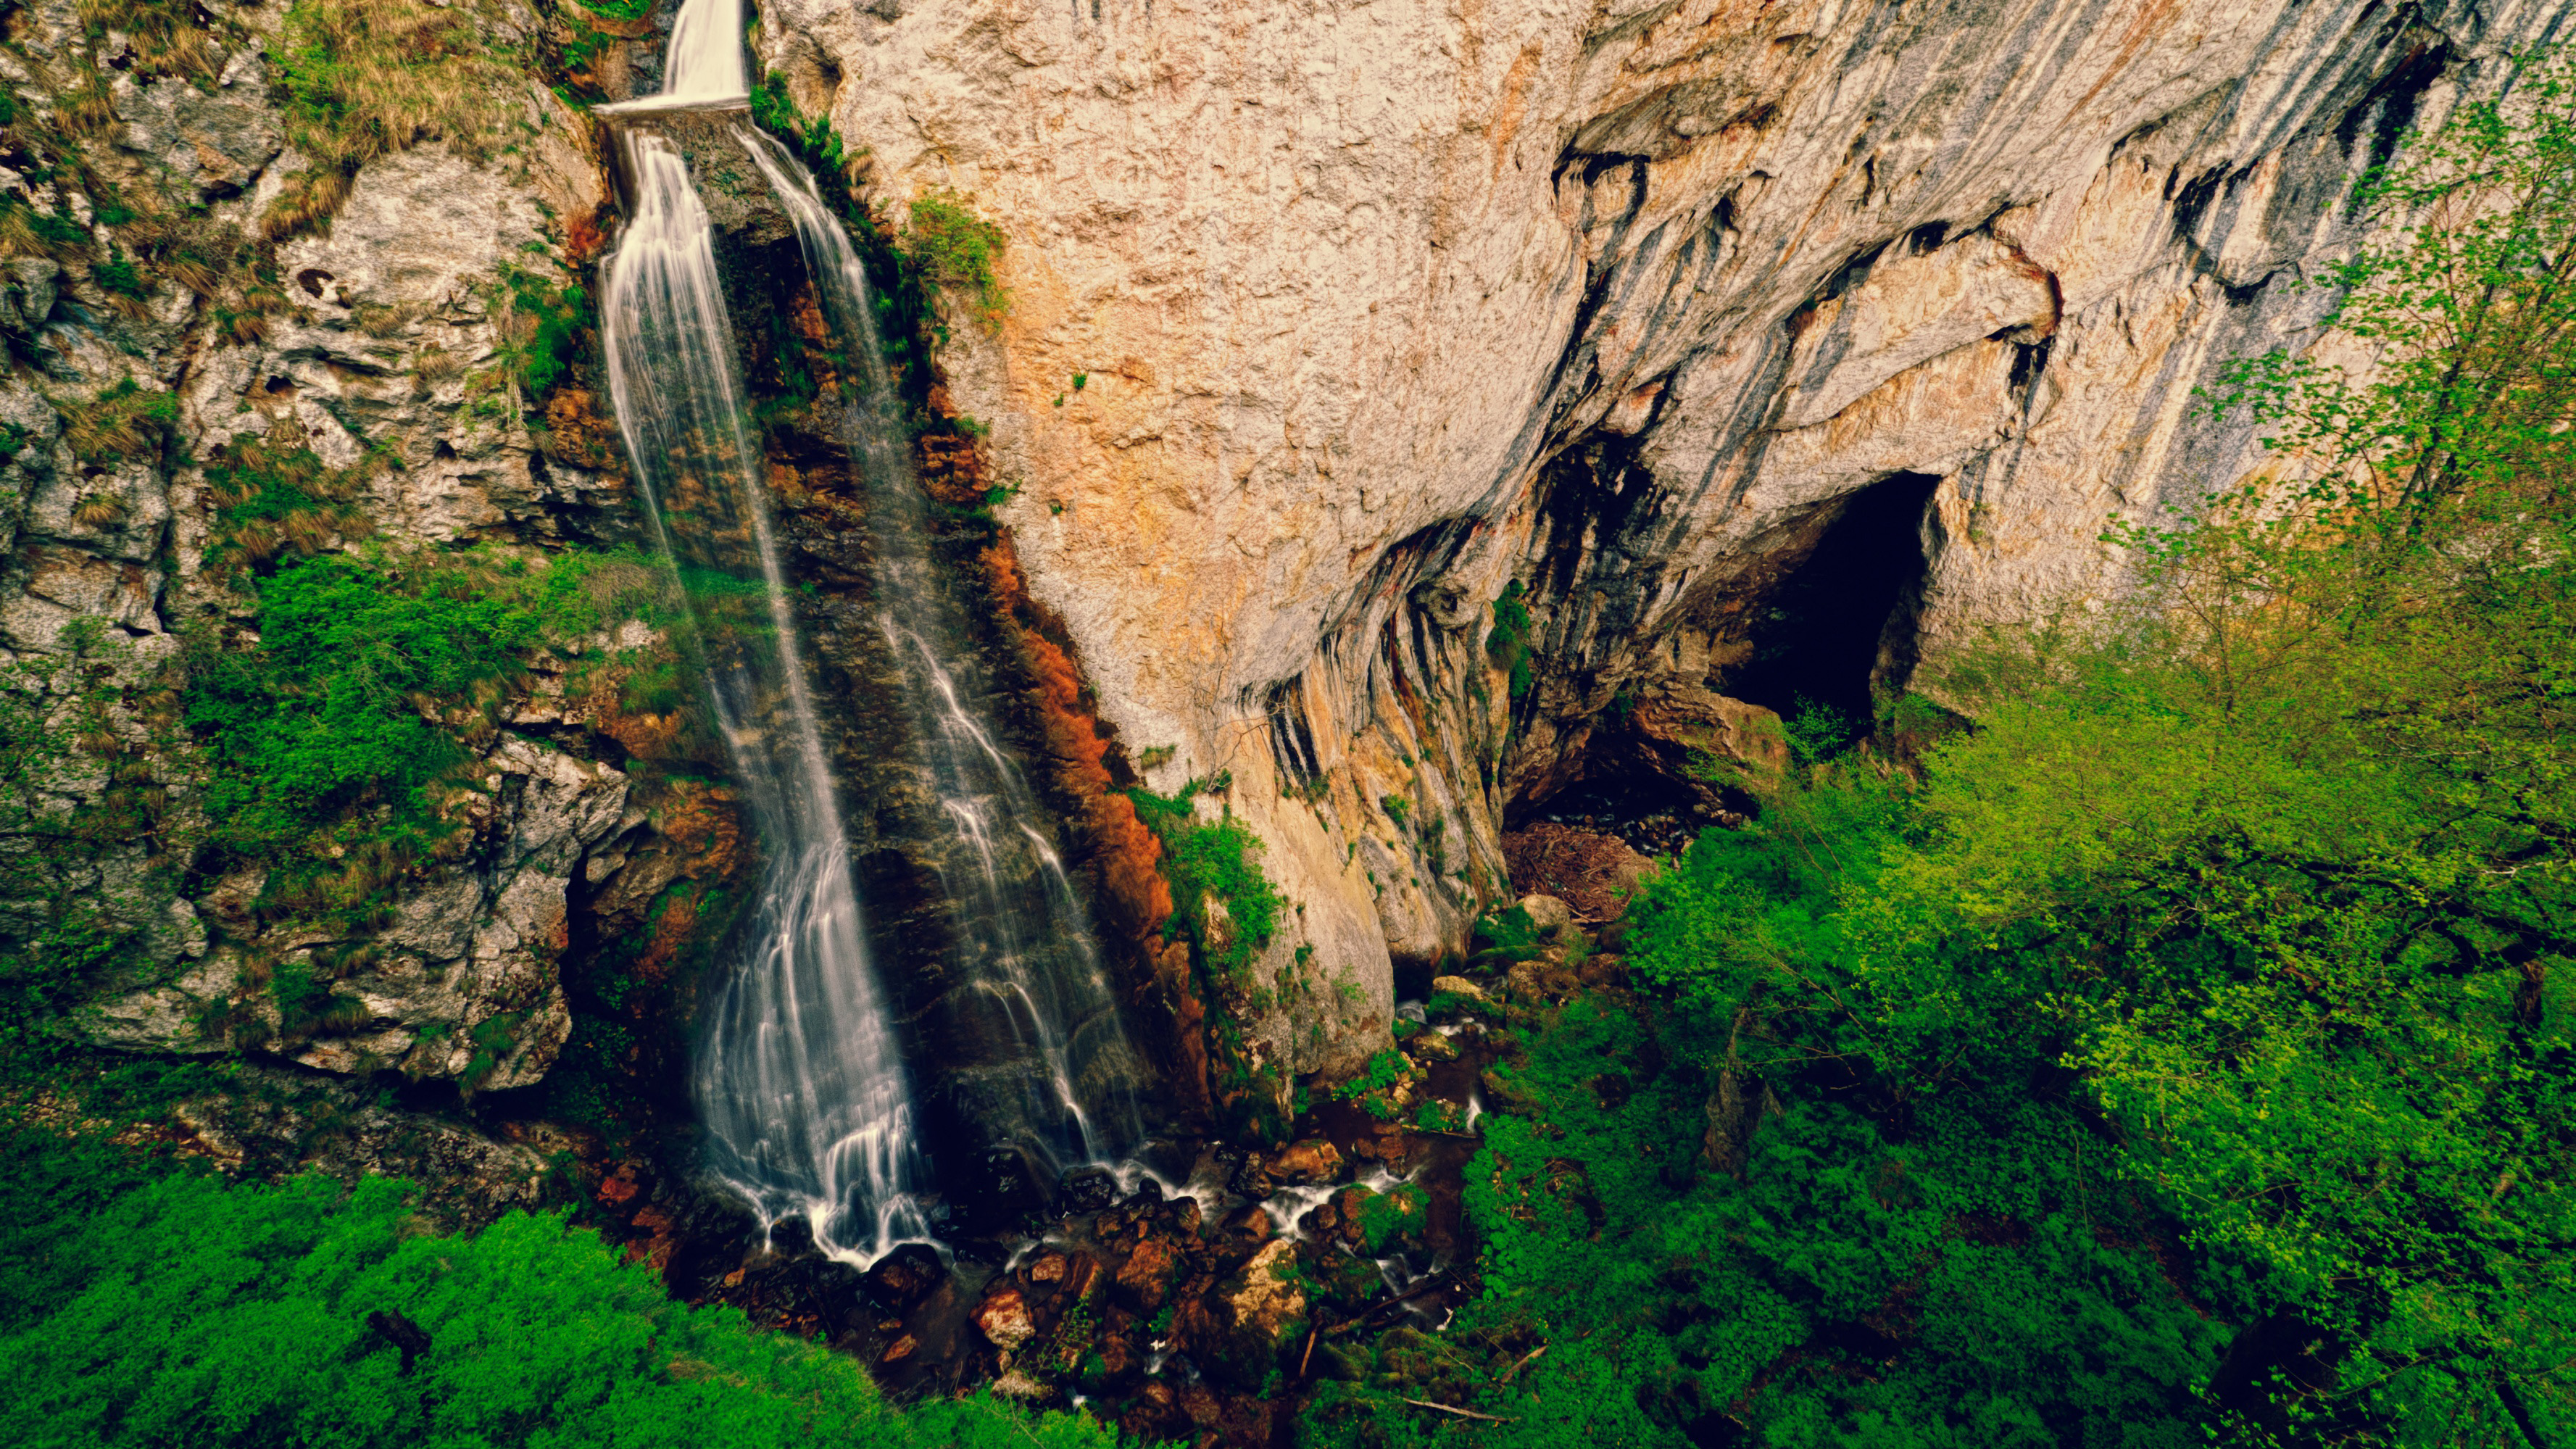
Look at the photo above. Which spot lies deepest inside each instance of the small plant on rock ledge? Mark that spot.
(956, 248)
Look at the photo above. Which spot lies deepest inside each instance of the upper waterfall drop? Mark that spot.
(703, 68)
(705, 61)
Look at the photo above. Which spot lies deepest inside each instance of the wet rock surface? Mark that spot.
(1196, 1293)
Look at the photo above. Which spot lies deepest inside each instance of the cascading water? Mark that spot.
(801, 1082)
(1048, 1050)
(704, 62)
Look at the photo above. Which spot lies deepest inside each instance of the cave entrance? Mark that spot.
(1819, 634)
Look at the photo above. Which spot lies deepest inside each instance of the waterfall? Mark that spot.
(704, 62)
(801, 1082)
(1055, 1056)
(800, 1079)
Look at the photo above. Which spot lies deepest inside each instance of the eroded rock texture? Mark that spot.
(1331, 321)
(381, 336)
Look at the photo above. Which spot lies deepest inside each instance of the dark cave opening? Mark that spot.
(1817, 637)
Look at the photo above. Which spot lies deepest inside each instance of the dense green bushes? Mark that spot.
(185, 1311)
(369, 676)
(2186, 1052)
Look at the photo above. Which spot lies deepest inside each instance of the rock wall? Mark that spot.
(381, 339)
(1332, 321)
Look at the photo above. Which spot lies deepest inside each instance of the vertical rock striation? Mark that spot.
(1332, 322)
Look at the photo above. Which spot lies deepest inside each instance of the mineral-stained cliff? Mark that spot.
(1406, 411)
(1769, 349)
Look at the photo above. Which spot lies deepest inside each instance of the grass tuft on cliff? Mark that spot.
(364, 78)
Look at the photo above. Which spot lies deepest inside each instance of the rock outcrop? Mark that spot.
(385, 337)
(1669, 312)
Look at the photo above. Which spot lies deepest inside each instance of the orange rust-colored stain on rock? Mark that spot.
(1135, 899)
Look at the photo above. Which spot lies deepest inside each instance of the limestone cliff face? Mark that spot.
(382, 337)
(1380, 307)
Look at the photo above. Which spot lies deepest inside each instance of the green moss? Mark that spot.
(1508, 645)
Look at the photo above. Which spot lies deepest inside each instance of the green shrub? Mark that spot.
(1508, 645)
(1213, 860)
(261, 1304)
(956, 248)
(326, 736)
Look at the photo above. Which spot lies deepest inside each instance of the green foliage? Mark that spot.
(1503, 937)
(125, 420)
(275, 497)
(1508, 645)
(956, 248)
(1369, 1088)
(117, 274)
(259, 1301)
(550, 320)
(1817, 731)
(1396, 806)
(1213, 862)
(1387, 1217)
(1980, 1281)
(328, 735)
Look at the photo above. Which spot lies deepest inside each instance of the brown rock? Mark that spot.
(1266, 1298)
(1547, 913)
(1048, 1267)
(1118, 1359)
(1312, 1161)
(1146, 1277)
(616, 1189)
(1003, 1318)
(901, 1349)
(1199, 1402)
